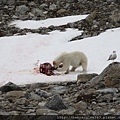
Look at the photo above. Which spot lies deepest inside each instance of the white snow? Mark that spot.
(19, 53)
(32, 24)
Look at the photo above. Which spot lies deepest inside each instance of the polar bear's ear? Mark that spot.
(54, 63)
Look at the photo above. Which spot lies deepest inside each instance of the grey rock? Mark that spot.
(9, 87)
(115, 16)
(80, 105)
(37, 12)
(4, 113)
(42, 93)
(35, 86)
(24, 17)
(22, 9)
(69, 111)
(87, 95)
(84, 35)
(56, 103)
(43, 6)
(71, 25)
(1, 99)
(15, 94)
(59, 90)
(21, 2)
(111, 0)
(91, 17)
(118, 113)
(22, 101)
(31, 15)
(30, 114)
(41, 104)
(52, 114)
(108, 90)
(42, 111)
(70, 1)
(85, 77)
(107, 113)
(109, 77)
(61, 11)
(105, 98)
(15, 17)
(102, 104)
(32, 4)
(10, 2)
(53, 7)
(35, 96)
(3, 1)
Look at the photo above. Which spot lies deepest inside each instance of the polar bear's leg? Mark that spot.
(84, 66)
(73, 69)
(67, 71)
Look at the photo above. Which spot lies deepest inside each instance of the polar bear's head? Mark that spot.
(58, 66)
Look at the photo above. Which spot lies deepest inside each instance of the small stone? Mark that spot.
(107, 113)
(30, 111)
(22, 101)
(41, 104)
(113, 110)
(15, 17)
(69, 111)
(105, 98)
(1, 99)
(102, 104)
(35, 96)
(37, 12)
(52, 7)
(108, 90)
(80, 105)
(61, 11)
(42, 111)
(94, 103)
(52, 114)
(4, 113)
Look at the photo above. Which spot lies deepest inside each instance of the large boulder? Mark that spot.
(56, 103)
(83, 78)
(110, 77)
(10, 87)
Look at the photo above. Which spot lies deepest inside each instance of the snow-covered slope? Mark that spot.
(19, 53)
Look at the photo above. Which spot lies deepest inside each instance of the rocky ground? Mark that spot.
(91, 94)
(104, 14)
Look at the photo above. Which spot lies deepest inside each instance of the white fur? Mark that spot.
(74, 59)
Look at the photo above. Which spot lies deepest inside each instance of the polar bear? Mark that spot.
(74, 59)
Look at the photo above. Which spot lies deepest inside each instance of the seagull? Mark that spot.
(113, 56)
(37, 63)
